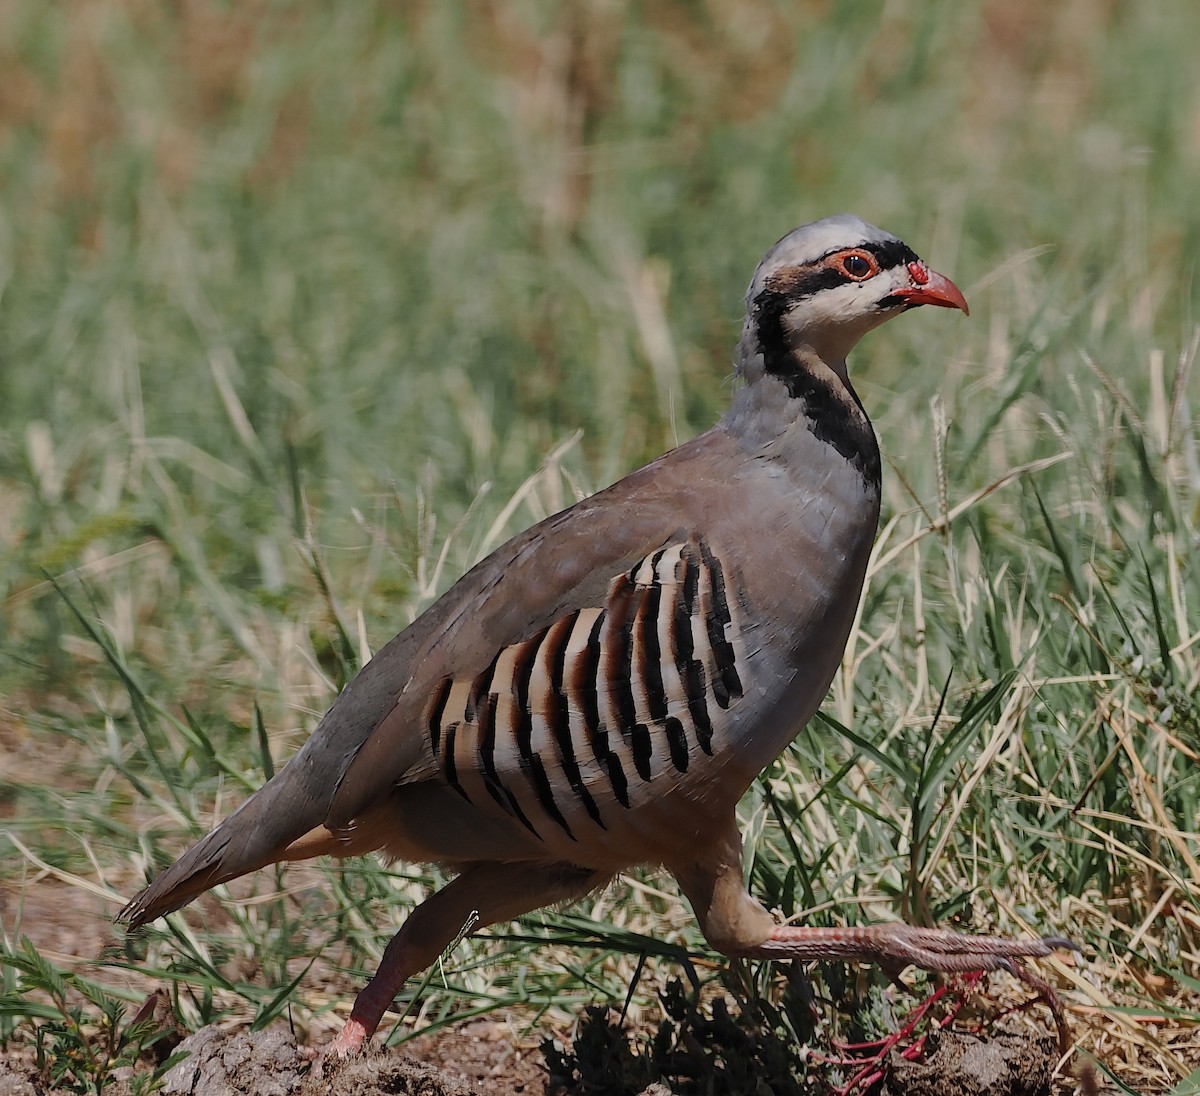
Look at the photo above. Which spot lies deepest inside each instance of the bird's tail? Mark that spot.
(283, 820)
(307, 808)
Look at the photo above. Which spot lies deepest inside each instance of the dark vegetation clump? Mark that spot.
(697, 1048)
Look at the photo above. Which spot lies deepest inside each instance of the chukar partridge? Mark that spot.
(600, 691)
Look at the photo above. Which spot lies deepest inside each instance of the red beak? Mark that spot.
(930, 287)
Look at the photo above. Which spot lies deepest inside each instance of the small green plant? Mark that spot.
(82, 1043)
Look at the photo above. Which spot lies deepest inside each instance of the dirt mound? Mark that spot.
(269, 1063)
(1009, 1062)
(266, 1063)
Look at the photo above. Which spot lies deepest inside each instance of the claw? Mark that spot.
(1056, 943)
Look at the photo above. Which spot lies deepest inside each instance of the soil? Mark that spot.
(486, 1055)
(473, 1060)
(477, 1059)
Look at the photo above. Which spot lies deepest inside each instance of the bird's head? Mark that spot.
(825, 285)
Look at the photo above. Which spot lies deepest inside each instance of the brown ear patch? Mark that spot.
(789, 279)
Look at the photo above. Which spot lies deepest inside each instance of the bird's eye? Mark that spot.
(857, 266)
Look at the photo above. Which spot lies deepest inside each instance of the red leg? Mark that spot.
(482, 895)
(897, 946)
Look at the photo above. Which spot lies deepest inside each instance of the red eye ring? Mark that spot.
(857, 265)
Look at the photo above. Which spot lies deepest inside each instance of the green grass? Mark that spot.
(304, 310)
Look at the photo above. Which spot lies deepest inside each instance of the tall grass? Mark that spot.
(306, 307)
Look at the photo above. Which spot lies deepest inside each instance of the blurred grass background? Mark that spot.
(304, 308)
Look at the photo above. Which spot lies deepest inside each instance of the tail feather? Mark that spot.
(285, 819)
(292, 804)
(255, 835)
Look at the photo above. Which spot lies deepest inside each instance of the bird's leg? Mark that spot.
(729, 917)
(484, 894)
(738, 925)
(896, 946)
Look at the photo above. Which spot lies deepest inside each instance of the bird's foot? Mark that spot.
(368, 1010)
(943, 951)
(349, 1041)
(896, 946)
(346, 1044)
